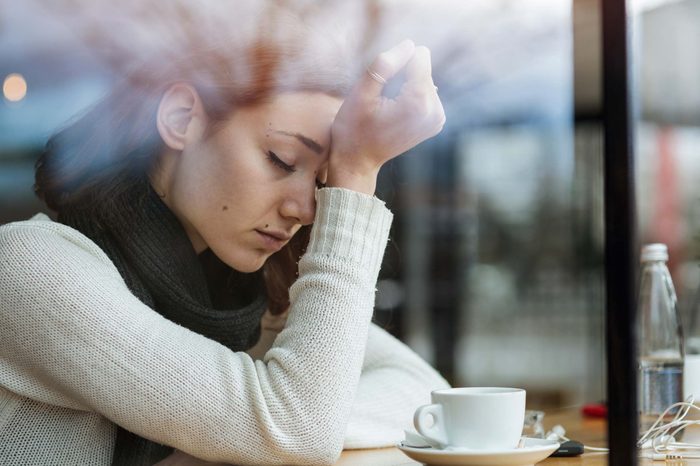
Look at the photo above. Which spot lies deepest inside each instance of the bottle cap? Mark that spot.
(654, 252)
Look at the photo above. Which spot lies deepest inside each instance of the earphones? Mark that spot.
(662, 436)
(559, 433)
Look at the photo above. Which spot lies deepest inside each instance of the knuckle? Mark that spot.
(423, 108)
(421, 105)
(436, 121)
(441, 118)
(441, 115)
(440, 126)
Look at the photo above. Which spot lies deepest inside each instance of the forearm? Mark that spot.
(394, 382)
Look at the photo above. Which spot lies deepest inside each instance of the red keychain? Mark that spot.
(599, 410)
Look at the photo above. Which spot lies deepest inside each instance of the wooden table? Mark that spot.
(589, 431)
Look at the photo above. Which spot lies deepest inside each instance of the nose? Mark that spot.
(300, 205)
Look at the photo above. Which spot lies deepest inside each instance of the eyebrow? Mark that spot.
(308, 142)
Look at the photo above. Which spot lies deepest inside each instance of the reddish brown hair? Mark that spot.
(115, 145)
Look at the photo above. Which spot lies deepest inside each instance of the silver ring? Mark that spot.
(376, 76)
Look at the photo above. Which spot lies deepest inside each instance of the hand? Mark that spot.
(371, 129)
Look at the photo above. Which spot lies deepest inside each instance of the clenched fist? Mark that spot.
(371, 128)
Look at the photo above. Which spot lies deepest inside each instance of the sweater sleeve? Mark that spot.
(395, 381)
(73, 335)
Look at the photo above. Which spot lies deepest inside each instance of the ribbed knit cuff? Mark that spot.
(350, 225)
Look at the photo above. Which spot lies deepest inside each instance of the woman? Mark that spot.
(183, 206)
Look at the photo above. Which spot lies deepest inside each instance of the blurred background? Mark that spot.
(494, 272)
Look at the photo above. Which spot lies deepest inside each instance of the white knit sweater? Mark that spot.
(79, 353)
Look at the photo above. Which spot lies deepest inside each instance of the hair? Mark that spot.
(114, 146)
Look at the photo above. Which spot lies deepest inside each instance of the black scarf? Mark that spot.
(151, 250)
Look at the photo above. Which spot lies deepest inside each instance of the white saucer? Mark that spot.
(532, 451)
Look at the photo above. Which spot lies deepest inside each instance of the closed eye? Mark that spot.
(273, 158)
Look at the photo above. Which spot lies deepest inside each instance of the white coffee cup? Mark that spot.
(477, 418)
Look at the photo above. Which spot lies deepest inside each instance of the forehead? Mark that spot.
(304, 113)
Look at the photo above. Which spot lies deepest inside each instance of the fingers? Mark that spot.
(420, 93)
(419, 71)
(385, 67)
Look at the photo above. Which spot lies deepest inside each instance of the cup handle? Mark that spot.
(434, 432)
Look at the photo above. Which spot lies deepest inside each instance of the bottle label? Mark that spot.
(660, 385)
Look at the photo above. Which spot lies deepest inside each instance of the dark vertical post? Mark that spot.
(620, 238)
(445, 274)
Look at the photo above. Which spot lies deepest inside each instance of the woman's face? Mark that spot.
(248, 187)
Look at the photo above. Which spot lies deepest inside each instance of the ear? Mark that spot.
(181, 118)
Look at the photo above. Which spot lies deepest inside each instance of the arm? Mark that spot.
(390, 367)
(394, 382)
(73, 335)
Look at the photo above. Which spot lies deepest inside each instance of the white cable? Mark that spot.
(557, 433)
(660, 430)
(660, 436)
(601, 449)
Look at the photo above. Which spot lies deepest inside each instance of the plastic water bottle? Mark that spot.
(660, 338)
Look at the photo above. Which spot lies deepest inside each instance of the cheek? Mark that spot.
(199, 182)
(199, 179)
(229, 189)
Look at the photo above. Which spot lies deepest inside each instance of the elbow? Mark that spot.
(330, 453)
(317, 456)
(322, 456)
(321, 448)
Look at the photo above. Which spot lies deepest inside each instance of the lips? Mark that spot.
(273, 240)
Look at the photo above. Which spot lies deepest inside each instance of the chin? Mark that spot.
(245, 264)
(249, 269)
